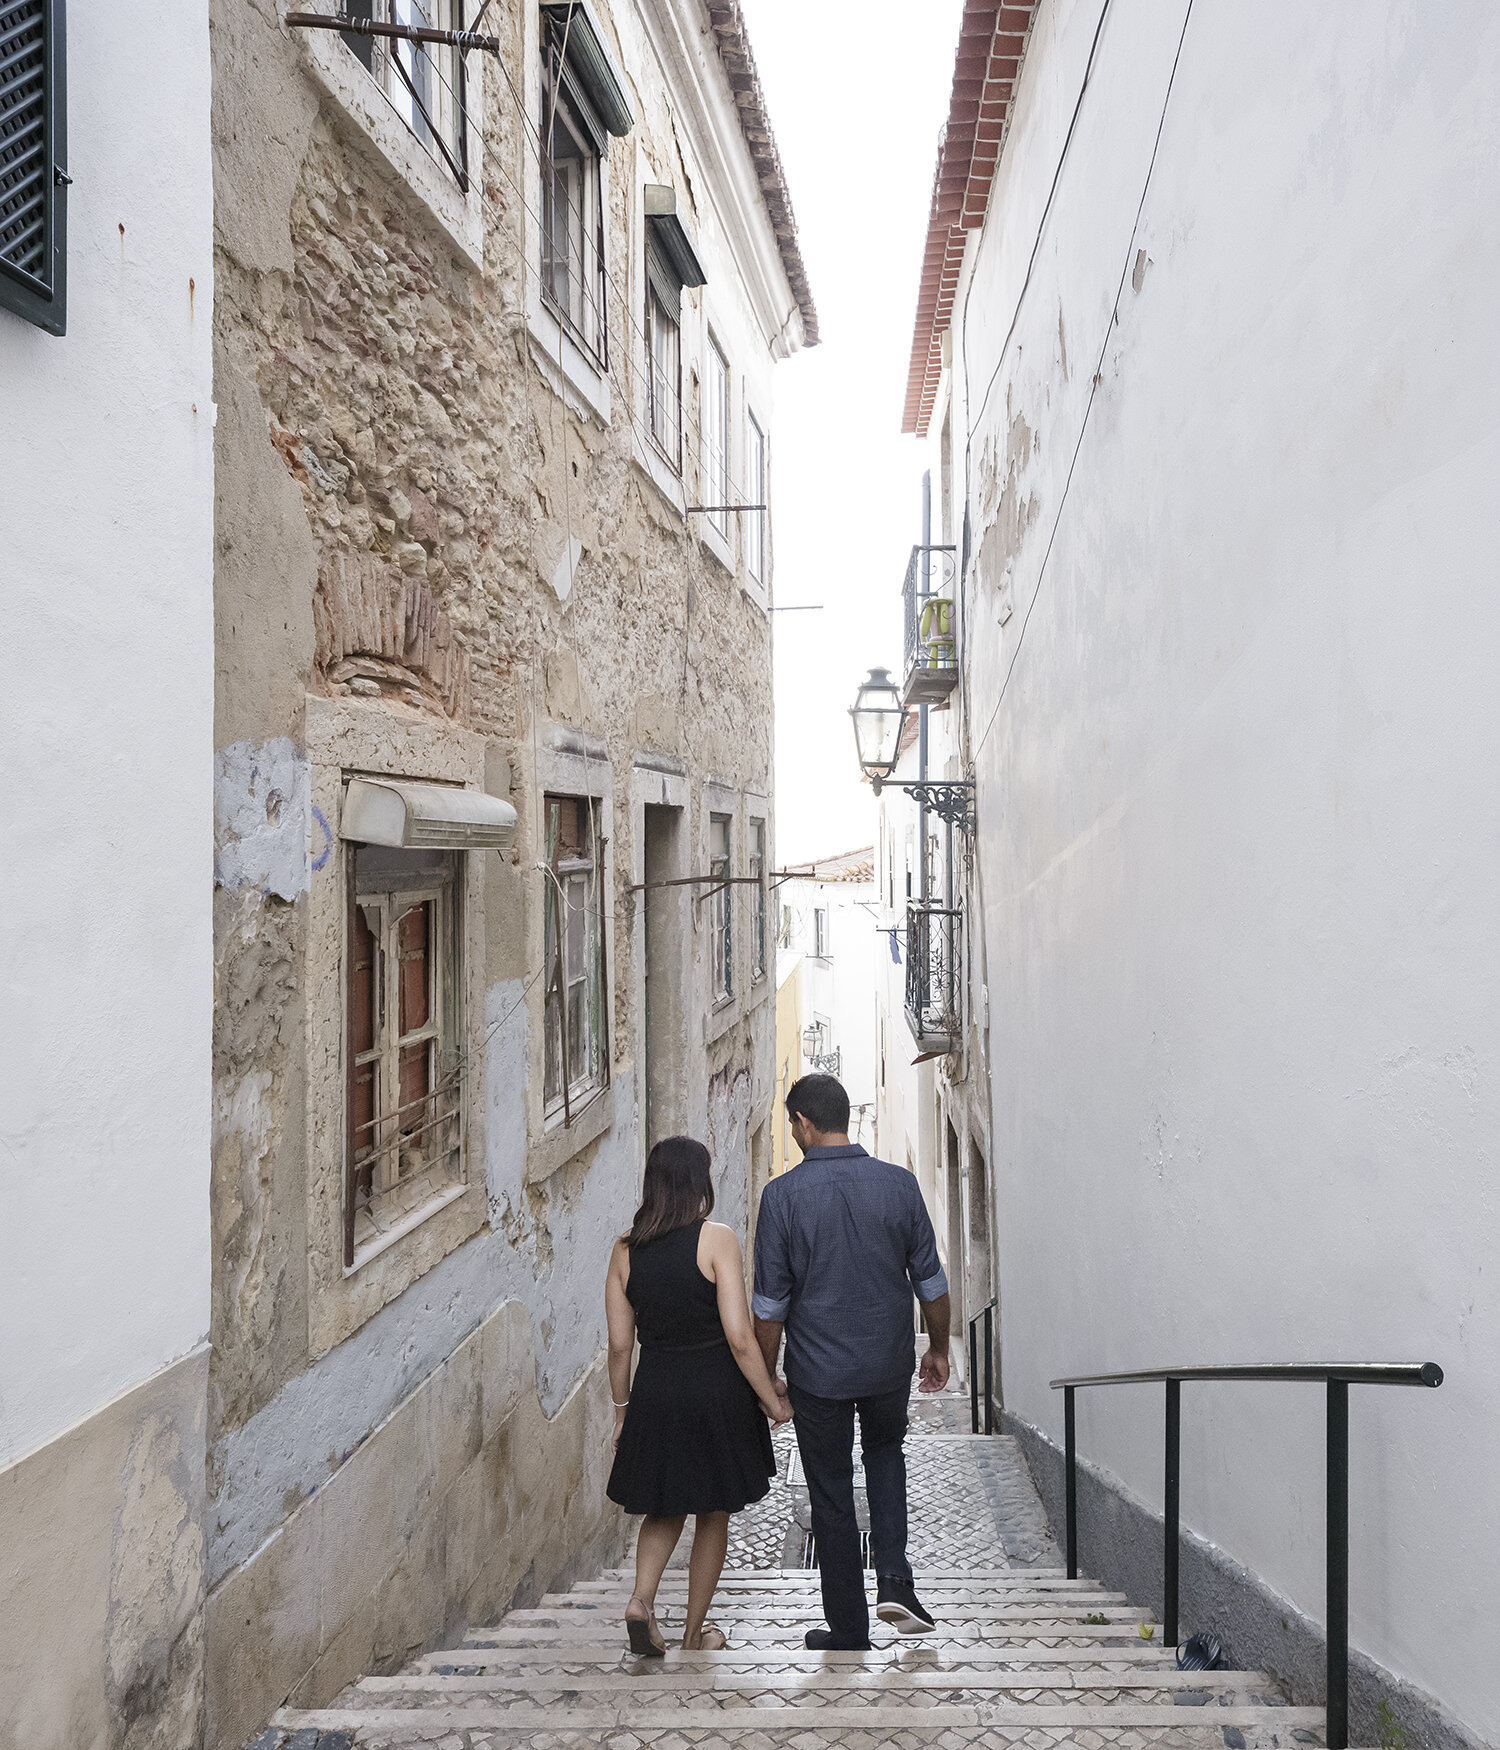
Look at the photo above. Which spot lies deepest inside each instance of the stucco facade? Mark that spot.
(448, 551)
(1205, 360)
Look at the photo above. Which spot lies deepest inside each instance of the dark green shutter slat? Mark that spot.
(33, 137)
(589, 62)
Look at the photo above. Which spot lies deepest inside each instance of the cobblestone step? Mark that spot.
(1022, 1657)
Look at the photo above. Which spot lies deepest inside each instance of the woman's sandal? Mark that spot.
(644, 1635)
(718, 1643)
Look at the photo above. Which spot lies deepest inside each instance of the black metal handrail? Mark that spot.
(987, 1314)
(1338, 1377)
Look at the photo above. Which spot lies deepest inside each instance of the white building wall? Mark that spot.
(107, 774)
(1240, 829)
(836, 986)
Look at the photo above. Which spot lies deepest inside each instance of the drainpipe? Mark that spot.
(922, 709)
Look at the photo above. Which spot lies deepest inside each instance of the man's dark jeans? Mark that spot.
(825, 1437)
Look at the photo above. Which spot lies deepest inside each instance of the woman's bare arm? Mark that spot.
(724, 1264)
(620, 1317)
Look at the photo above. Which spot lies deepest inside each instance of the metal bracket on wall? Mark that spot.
(950, 799)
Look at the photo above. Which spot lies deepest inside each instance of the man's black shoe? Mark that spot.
(823, 1640)
(901, 1608)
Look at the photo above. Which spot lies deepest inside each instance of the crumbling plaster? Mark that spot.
(384, 417)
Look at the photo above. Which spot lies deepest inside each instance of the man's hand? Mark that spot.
(934, 1371)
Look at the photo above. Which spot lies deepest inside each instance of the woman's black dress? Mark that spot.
(695, 1438)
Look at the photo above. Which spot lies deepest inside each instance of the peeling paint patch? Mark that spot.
(263, 817)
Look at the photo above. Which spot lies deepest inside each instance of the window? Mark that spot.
(664, 375)
(820, 933)
(33, 148)
(575, 1050)
(424, 82)
(755, 488)
(402, 1045)
(723, 911)
(572, 226)
(716, 437)
(758, 917)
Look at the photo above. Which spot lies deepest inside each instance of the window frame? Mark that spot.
(574, 1093)
(448, 143)
(820, 933)
(757, 473)
(573, 107)
(42, 299)
(721, 913)
(758, 918)
(716, 458)
(444, 1032)
(658, 314)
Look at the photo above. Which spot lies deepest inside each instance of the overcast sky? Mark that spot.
(857, 96)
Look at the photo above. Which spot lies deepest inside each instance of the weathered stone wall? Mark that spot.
(410, 518)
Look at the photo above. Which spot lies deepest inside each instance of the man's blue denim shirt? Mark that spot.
(841, 1243)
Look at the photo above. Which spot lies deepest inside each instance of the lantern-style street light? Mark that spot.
(879, 717)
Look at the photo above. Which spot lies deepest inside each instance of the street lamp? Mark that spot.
(879, 717)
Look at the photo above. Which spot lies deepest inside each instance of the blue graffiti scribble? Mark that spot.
(322, 856)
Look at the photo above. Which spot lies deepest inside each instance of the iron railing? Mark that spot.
(931, 659)
(1337, 1378)
(934, 948)
(985, 1315)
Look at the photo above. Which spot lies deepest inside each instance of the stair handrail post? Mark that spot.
(1338, 1565)
(973, 1379)
(1070, 1482)
(1171, 1501)
(989, 1368)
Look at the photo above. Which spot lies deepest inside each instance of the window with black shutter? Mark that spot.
(33, 151)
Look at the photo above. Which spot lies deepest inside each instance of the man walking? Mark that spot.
(841, 1243)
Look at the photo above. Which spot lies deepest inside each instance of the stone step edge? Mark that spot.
(811, 1609)
(854, 1681)
(977, 1653)
(1059, 1575)
(1022, 1716)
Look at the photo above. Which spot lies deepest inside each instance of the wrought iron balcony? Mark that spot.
(934, 992)
(931, 625)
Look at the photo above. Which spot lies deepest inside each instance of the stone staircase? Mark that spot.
(1022, 1655)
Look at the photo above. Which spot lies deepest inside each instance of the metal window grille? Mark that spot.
(33, 147)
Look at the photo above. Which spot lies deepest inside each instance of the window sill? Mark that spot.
(559, 1143)
(718, 547)
(648, 459)
(460, 216)
(372, 1249)
(720, 1018)
(578, 372)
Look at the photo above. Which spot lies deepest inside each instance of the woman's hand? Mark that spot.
(619, 1428)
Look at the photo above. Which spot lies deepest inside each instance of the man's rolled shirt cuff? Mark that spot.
(772, 1310)
(934, 1288)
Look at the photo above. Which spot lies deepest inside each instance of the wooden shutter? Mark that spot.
(33, 149)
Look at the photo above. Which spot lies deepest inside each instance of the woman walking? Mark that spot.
(690, 1432)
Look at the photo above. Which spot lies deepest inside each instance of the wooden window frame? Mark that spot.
(564, 105)
(574, 1092)
(721, 914)
(758, 917)
(663, 401)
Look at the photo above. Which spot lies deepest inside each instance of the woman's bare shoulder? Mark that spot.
(619, 1257)
(720, 1236)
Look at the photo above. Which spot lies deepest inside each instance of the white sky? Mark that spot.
(857, 95)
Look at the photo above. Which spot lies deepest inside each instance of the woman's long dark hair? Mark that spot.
(678, 1189)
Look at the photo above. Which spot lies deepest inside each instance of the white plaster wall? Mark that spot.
(1240, 829)
(841, 988)
(106, 778)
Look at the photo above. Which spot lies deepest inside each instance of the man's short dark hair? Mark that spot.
(821, 1100)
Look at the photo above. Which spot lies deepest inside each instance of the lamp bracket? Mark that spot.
(951, 799)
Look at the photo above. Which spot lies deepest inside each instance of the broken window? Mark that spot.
(723, 912)
(576, 1058)
(404, 1027)
(572, 159)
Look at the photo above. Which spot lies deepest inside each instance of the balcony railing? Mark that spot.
(934, 952)
(931, 625)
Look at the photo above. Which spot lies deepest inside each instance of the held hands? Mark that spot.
(779, 1409)
(934, 1371)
